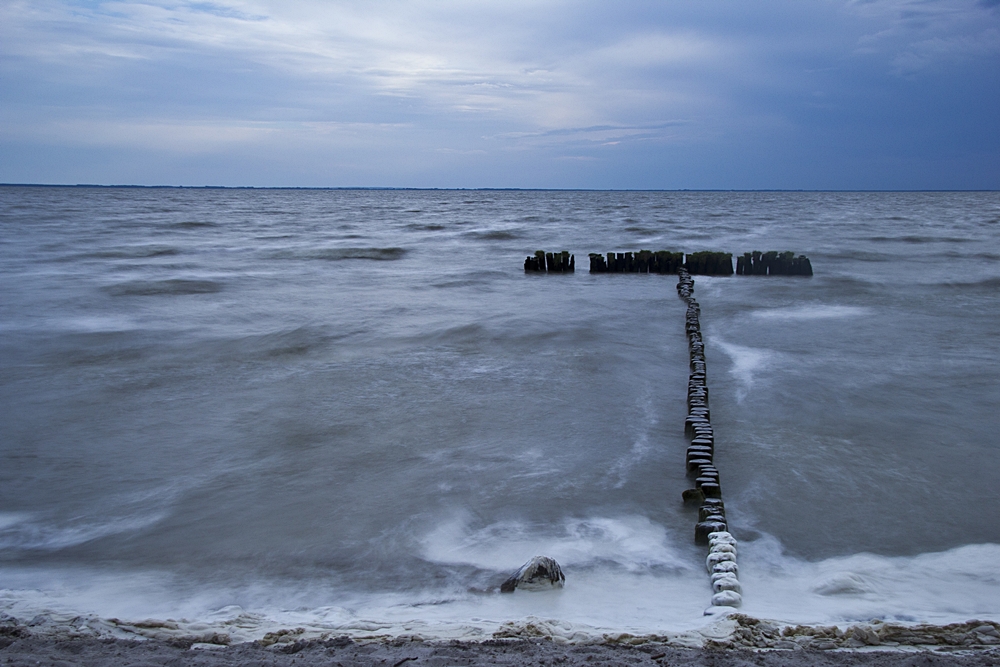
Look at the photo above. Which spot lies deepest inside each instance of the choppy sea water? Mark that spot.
(353, 410)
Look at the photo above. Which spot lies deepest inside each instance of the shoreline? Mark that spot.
(726, 633)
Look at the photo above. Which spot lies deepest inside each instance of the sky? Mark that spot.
(700, 94)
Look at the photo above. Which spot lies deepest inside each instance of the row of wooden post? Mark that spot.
(550, 262)
(644, 261)
(773, 263)
(712, 528)
(706, 263)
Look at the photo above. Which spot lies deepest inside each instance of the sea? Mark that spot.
(353, 411)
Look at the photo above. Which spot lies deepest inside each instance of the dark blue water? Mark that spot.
(340, 408)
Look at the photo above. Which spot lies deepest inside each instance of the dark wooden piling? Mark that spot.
(705, 262)
(532, 264)
(551, 262)
(709, 263)
(642, 261)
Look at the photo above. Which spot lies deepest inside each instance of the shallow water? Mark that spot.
(354, 407)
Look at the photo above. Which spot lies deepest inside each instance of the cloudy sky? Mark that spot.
(814, 94)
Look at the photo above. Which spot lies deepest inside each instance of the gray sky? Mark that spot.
(815, 94)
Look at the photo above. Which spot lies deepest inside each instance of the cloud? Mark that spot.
(195, 137)
(471, 81)
(659, 49)
(918, 35)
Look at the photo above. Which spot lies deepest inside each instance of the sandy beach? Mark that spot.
(736, 640)
(342, 652)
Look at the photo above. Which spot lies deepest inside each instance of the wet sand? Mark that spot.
(42, 652)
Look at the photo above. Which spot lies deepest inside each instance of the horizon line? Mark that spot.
(466, 189)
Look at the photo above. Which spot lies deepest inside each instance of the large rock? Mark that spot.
(541, 573)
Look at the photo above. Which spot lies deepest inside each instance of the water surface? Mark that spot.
(353, 407)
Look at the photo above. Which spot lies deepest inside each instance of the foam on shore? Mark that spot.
(609, 592)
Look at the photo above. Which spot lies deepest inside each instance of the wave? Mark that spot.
(126, 252)
(193, 224)
(134, 252)
(28, 536)
(289, 342)
(847, 286)
(172, 286)
(463, 334)
(855, 255)
(619, 471)
(747, 361)
(810, 312)
(630, 543)
(990, 284)
(610, 589)
(495, 235)
(124, 513)
(336, 254)
(914, 239)
(116, 513)
(480, 278)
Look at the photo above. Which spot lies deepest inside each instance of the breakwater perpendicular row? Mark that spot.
(550, 262)
(711, 529)
(706, 263)
(773, 263)
(644, 261)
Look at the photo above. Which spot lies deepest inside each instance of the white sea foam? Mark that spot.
(119, 513)
(10, 519)
(632, 542)
(748, 362)
(618, 472)
(950, 586)
(46, 536)
(810, 312)
(943, 587)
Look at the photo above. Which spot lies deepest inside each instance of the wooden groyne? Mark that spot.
(773, 263)
(644, 261)
(705, 263)
(709, 263)
(550, 262)
(712, 529)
